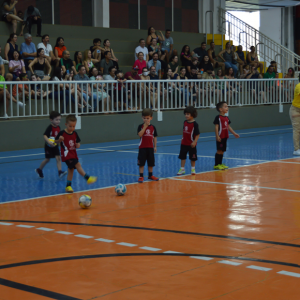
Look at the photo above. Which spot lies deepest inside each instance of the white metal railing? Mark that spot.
(267, 49)
(37, 99)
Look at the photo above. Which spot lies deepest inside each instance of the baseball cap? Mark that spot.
(135, 67)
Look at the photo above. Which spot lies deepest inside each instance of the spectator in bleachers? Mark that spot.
(133, 74)
(167, 46)
(289, 86)
(200, 52)
(141, 63)
(220, 75)
(11, 46)
(48, 51)
(170, 86)
(106, 63)
(193, 74)
(9, 14)
(122, 91)
(246, 70)
(32, 16)
(252, 59)
(237, 60)
(233, 87)
(88, 60)
(20, 14)
(154, 48)
(213, 58)
(274, 64)
(28, 50)
(186, 57)
(16, 66)
(173, 64)
(39, 64)
(227, 56)
(155, 63)
(254, 87)
(184, 87)
(77, 60)
(241, 54)
(9, 77)
(66, 63)
(37, 87)
(96, 49)
(146, 87)
(22, 90)
(106, 48)
(195, 64)
(143, 49)
(152, 34)
(207, 66)
(59, 47)
(111, 73)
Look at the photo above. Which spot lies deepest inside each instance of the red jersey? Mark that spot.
(68, 145)
(223, 122)
(51, 132)
(147, 140)
(190, 131)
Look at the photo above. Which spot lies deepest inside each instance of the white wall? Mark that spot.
(270, 23)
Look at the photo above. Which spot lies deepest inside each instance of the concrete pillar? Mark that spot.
(101, 13)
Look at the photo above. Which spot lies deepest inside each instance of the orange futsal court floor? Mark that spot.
(217, 235)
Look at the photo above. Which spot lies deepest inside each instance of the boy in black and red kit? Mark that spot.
(51, 149)
(221, 129)
(189, 140)
(148, 143)
(69, 141)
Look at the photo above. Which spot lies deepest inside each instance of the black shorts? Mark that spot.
(71, 163)
(222, 145)
(51, 152)
(4, 18)
(184, 150)
(146, 154)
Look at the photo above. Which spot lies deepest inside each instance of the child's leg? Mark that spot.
(58, 163)
(70, 177)
(43, 163)
(89, 179)
(219, 157)
(141, 170)
(80, 170)
(150, 171)
(182, 164)
(193, 163)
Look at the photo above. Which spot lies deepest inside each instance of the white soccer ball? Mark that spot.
(85, 201)
(120, 189)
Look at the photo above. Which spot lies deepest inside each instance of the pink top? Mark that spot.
(19, 63)
(141, 65)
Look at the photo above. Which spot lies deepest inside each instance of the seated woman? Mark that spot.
(170, 88)
(149, 94)
(186, 57)
(155, 48)
(141, 63)
(77, 60)
(89, 61)
(252, 59)
(185, 88)
(106, 45)
(152, 35)
(289, 85)
(256, 88)
(59, 47)
(173, 64)
(16, 66)
(206, 66)
(11, 46)
(39, 64)
(9, 14)
(233, 87)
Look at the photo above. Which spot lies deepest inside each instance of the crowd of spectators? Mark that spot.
(155, 58)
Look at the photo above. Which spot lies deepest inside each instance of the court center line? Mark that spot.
(259, 268)
(289, 274)
(237, 184)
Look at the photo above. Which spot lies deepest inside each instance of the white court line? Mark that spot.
(289, 273)
(6, 224)
(150, 248)
(236, 184)
(202, 257)
(104, 240)
(126, 244)
(228, 262)
(25, 226)
(84, 236)
(259, 268)
(173, 252)
(44, 229)
(64, 232)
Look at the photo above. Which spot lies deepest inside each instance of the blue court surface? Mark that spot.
(116, 162)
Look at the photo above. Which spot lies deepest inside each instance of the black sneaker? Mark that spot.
(61, 174)
(40, 173)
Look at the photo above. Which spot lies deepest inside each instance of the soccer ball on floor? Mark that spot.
(120, 189)
(85, 201)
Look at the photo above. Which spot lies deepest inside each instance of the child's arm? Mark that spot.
(50, 143)
(141, 133)
(217, 133)
(233, 132)
(155, 144)
(194, 143)
(59, 140)
(77, 145)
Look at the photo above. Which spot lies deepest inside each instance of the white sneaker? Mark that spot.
(193, 171)
(297, 152)
(181, 172)
(21, 104)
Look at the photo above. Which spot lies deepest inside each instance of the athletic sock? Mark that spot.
(221, 158)
(182, 168)
(86, 176)
(141, 175)
(69, 183)
(216, 159)
(150, 174)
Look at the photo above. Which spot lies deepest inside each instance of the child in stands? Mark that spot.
(51, 149)
(189, 140)
(221, 129)
(69, 141)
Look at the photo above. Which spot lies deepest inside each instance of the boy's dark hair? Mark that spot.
(220, 105)
(191, 110)
(54, 114)
(22, 75)
(147, 112)
(97, 40)
(273, 62)
(71, 118)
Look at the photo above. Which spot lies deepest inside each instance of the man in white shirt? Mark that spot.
(141, 48)
(48, 51)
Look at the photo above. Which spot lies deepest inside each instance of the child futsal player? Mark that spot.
(189, 140)
(147, 147)
(69, 141)
(221, 129)
(51, 150)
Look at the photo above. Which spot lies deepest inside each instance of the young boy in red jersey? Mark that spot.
(148, 143)
(221, 129)
(189, 140)
(69, 141)
(51, 150)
